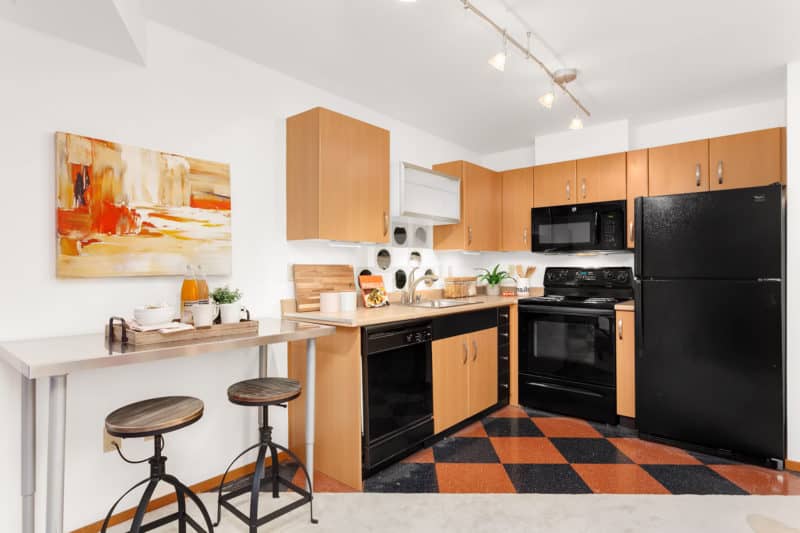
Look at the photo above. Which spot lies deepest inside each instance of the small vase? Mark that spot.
(493, 290)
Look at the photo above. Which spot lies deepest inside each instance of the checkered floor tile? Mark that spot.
(517, 450)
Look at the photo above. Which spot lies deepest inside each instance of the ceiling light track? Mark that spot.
(526, 52)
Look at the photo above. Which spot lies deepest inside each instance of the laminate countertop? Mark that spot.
(399, 312)
(627, 305)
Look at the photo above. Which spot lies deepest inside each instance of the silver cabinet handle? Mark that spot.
(525, 236)
(630, 231)
(385, 223)
(583, 187)
(568, 190)
(469, 234)
(697, 170)
(719, 172)
(475, 347)
(466, 353)
(619, 328)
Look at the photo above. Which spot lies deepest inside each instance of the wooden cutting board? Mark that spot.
(311, 280)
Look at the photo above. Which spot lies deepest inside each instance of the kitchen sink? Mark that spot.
(443, 303)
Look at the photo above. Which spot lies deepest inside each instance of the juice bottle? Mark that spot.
(189, 295)
(202, 286)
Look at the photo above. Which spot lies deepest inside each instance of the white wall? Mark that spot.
(193, 99)
(597, 139)
(793, 257)
(510, 159)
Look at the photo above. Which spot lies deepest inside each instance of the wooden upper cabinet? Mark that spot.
(626, 365)
(554, 184)
(601, 178)
(678, 168)
(516, 209)
(337, 178)
(481, 204)
(747, 159)
(482, 370)
(637, 186)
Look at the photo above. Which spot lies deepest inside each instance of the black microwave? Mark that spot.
(575, 228)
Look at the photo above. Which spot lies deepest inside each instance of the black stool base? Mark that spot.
(264, 479)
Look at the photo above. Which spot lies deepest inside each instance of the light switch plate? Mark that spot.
(108, 442)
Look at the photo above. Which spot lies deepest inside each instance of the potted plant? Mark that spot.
(493, 278)
(230, 311)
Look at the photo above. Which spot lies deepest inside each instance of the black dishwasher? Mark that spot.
(398, 394)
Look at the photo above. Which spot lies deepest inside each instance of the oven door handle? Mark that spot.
(571, 311)
(564, 389)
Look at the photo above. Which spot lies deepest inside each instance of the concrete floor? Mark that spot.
(525, 512)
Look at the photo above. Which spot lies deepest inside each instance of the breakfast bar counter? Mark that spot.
(55, 358)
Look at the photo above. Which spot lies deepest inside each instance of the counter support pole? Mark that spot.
(28, 448)
(263, 364)
(311, 378)
(56, 434)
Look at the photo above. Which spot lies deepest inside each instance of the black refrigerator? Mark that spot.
(710, 326)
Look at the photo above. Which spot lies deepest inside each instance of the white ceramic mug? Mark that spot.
(348, 301)
(329, 302)
(231, 313)
(203, 315)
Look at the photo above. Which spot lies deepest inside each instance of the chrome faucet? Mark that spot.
(410, 295)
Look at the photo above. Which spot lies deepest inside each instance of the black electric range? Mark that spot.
(567, 349)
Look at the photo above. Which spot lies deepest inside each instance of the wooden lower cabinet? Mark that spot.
(464, 376)
(626, 365)
(483, 370)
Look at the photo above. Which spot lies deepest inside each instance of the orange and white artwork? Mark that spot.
(127, 211)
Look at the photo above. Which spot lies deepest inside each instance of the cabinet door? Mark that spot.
(637, 186)
(482, 205)
(450, 381)
(554, 184)
(746, 160)
(516, 212)
(354, 179)
(678, 168)
(626, 365)
(482, 370)
(451, 236)
(601, 179)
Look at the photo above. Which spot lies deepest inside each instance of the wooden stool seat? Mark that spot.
(264, 391)
(154, 416)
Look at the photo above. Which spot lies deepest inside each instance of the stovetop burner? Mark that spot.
(586, 287)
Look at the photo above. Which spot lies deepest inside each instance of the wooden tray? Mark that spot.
(142, 338)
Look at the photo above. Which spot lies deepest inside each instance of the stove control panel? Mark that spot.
(588, 277)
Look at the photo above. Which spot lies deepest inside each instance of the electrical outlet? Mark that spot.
(108, 442)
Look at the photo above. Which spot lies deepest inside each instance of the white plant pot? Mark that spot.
(493, 290)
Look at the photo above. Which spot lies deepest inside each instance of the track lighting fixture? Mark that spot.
(498, 60)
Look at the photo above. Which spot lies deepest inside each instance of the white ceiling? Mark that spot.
(425, 62)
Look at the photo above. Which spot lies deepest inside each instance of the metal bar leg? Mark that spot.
(141, 509)
(263, 362)
(311, 378)
(56, 434)
(28, 455)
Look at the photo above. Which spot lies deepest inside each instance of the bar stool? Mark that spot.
(263, 392)
(153, 418)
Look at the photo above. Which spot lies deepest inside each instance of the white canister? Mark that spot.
(329, 302)
(348, 301)
(523, 287)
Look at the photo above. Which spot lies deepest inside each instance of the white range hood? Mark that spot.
(427, 196)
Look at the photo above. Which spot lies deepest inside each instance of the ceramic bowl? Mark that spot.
(150, 315)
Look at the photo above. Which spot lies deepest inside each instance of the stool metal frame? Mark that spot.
(265, 478)
(158, 474)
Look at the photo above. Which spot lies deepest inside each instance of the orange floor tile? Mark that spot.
(619, 479)
(473, 478)
(651, 453)
(756, 480)
(524, 450)
(566, 427)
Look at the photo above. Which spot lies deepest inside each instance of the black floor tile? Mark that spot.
(593, 451)
(546, 479)
(511, 427)
(538, 414)
(404, 477)
(465, 450)
(711, 459)
(692, 479)
(608, 430)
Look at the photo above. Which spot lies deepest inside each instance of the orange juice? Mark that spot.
(190, 294)
(202, 286)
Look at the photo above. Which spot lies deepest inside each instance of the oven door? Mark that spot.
(574, 344)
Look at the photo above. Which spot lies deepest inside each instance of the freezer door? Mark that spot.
(710, 364)
(733, 234)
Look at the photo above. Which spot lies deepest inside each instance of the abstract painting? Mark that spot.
(127, 211)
